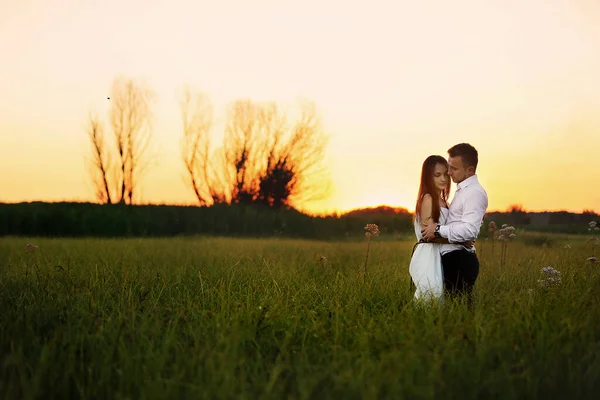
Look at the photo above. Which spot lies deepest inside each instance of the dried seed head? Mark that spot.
(372, 230)
(552, 277)
(550, 271)
(507, 232)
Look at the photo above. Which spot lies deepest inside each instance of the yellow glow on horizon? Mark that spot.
(394, 82)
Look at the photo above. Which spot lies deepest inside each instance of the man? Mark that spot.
(468, 208)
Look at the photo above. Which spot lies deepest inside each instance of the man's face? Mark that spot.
(457, 170)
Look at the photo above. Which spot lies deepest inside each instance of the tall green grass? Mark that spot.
(249, 318)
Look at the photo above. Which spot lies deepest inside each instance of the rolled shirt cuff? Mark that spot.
(444, 231)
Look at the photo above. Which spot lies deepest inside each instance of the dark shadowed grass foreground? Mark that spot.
(225, 318)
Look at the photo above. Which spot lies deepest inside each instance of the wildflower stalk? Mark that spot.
(366, 259)
(506, 234)
(372, 230)
(492, 230)
(593, 228)
(29, 250)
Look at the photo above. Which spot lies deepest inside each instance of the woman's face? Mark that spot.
(440, 177)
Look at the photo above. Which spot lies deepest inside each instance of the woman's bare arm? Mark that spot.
(426, 211)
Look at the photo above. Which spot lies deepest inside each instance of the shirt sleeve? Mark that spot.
(469, 225)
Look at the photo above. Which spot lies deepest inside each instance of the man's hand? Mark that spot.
(427, 232)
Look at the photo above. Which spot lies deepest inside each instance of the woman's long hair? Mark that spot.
(427, 187)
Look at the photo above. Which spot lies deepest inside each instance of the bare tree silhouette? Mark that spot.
(240, 148)
(295, 170)
(131, 121)
(267, 160)
(100, 163)
(130, 118)
(197, 118)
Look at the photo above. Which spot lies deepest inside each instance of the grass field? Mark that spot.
(248, 318)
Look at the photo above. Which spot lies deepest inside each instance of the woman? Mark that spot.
(432, 206)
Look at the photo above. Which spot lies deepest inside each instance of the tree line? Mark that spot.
(121, 220)
(68, 219)
(265, 158)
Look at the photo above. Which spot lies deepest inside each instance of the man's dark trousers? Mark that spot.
(461, 268)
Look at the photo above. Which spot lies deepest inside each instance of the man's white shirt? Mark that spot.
(465, 215)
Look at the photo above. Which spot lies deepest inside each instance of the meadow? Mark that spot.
(209, 317)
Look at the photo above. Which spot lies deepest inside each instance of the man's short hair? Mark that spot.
(467, 152)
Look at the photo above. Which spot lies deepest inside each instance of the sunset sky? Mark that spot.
(394, 82)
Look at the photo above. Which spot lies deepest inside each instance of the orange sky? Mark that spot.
(394, 81)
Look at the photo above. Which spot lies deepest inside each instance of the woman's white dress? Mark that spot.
(426, 265)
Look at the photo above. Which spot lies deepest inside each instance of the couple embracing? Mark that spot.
(444, 260)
